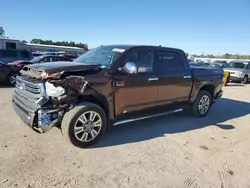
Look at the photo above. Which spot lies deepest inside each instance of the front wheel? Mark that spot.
(11, 79)
(84, 124)
(245, 80)
(202, 104)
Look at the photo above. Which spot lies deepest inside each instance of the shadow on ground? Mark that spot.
(235, 85)
(223, 110)
(5, 86)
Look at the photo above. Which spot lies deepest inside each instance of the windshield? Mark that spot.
(103, 55)
(238, 65)
(36, 59)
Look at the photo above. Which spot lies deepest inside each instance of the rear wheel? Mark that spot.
(202, 104)
(245, 79)
(84, 124)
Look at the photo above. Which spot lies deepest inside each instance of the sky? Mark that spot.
(196, 26)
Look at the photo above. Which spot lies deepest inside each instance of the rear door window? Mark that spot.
(48, 59)
(167, 61)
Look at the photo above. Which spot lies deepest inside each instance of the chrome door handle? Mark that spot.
(152, 79)
(186, 77)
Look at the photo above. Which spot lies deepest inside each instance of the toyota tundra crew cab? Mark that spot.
(111, 85)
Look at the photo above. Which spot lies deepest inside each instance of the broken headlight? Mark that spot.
(54, 91)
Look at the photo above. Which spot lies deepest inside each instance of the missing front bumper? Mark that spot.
(47, 119)
(41, 120)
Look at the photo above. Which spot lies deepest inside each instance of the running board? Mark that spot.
(147, 117)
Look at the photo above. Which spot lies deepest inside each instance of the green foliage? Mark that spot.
(60, 43)
(225, 56)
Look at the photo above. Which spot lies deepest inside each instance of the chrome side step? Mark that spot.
(147, 117)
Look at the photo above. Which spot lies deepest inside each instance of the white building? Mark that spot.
(12, 44)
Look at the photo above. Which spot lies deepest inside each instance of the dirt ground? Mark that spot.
(171, 151)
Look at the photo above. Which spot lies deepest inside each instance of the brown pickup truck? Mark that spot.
(111, 85)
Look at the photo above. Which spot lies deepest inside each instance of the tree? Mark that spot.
(2, 32)
(60, 43)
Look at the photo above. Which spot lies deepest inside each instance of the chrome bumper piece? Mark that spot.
(29, 101)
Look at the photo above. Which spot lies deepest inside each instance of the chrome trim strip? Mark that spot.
(147, 117)
(26, 98)
(152, 79)
(186, 77)
(33, 92)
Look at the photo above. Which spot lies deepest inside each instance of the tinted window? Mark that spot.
(24, 54)
(59, 58)
(48, 59)
(168, 62)
(238, 65)
(8, 54)
(10, 46)
(142, 58)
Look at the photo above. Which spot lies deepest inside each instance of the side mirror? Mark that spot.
(129, 68)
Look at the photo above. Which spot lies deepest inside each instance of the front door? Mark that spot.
(134, 92)
(174, 81)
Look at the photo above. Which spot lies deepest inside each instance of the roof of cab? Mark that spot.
(128, 46)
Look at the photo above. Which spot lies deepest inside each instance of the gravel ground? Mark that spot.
(171, 151)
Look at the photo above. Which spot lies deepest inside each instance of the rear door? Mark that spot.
(174, 79)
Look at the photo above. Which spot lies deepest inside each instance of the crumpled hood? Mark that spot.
(54, 69)
(59, 66)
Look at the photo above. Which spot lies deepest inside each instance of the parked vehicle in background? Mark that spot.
(72, 57)
(107, 86)
(16, 66)
(35, 54)
(203, 64)
(239, 71)
(41, 59)
(8, 56)
(8, 74)
(192, 63)
(220, 62)
(220, 65)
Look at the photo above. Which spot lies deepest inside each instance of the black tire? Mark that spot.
(245, 80)
(195, 106)
(71, 117)
(9, 79)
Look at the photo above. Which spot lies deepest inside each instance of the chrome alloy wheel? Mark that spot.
(204, 104)
(13, 79)
(87, 126)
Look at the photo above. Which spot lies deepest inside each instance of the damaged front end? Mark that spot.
(42, 99)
